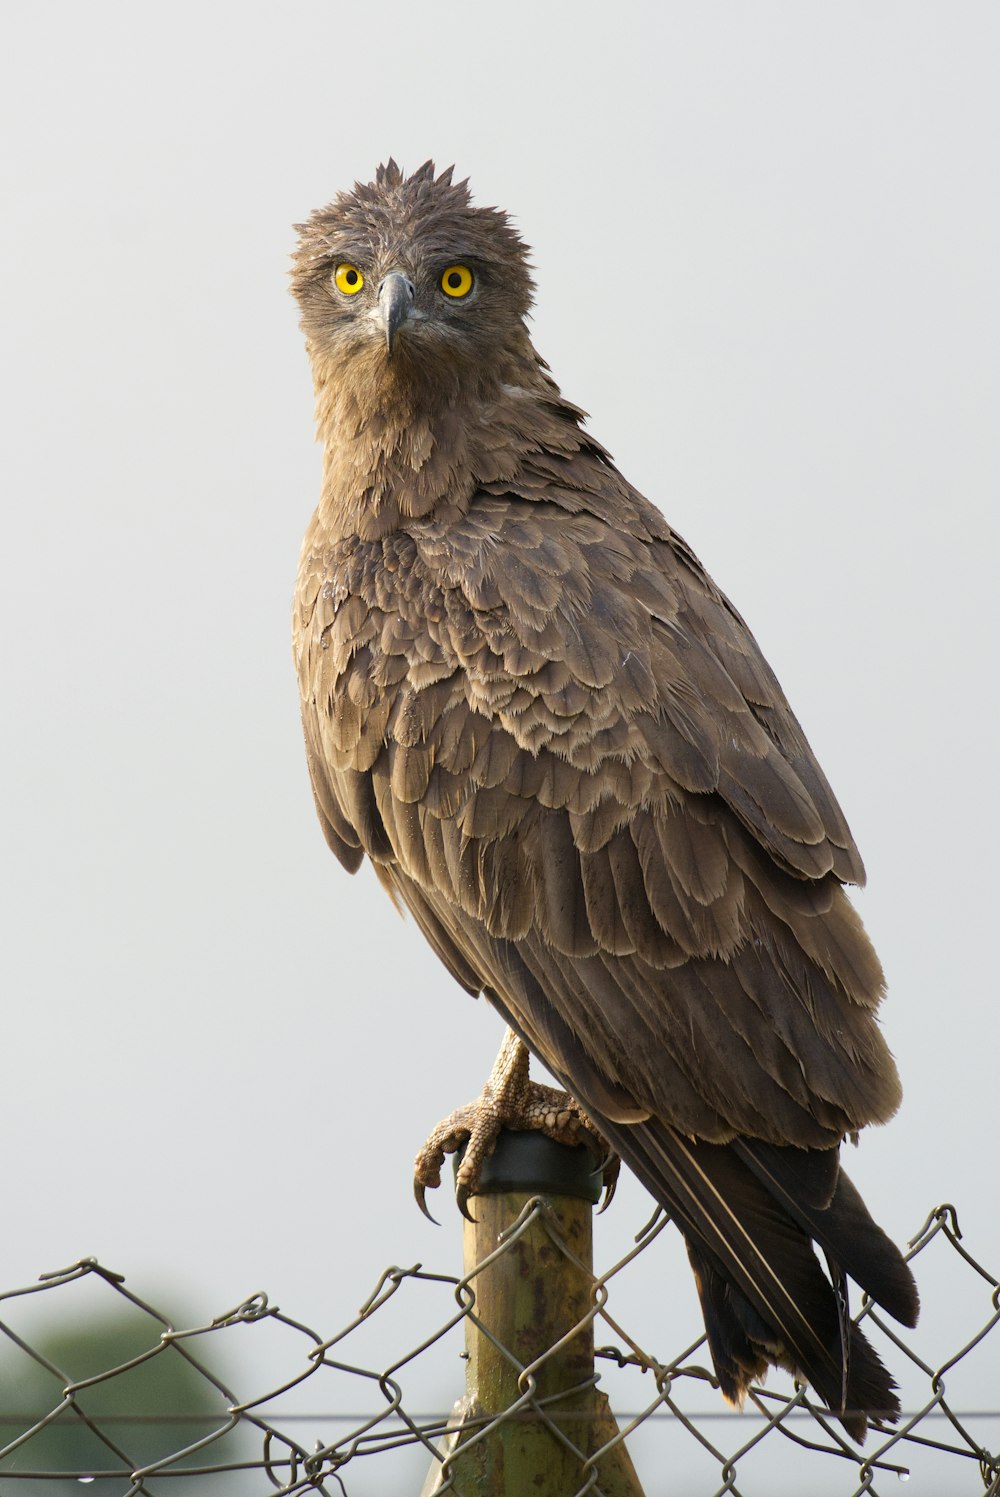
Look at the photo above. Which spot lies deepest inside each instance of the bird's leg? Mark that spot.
(509, 1100)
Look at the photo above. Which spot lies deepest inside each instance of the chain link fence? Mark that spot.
(154, 1412)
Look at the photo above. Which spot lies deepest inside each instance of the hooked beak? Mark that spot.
(395, 299)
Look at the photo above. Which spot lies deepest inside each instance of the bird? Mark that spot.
(529, 707)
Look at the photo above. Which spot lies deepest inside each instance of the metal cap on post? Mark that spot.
(532, 1418)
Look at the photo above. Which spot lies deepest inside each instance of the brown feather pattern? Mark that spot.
(527, 703)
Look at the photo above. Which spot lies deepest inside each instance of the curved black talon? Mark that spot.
(610, 1165)
(420, 1196)
(462, 1199)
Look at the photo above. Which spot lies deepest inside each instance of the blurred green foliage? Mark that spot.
(145, 1413)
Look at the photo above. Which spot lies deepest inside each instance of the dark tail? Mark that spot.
(748, 1212)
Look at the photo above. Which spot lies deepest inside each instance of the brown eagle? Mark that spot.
(527, 703)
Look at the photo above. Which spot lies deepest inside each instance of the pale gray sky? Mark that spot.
(767, 239)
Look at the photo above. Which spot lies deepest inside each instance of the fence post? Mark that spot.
(529, 1298)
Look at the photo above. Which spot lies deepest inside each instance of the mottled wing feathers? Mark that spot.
(546, 720)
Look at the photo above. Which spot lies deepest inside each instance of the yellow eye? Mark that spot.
(456, 280)
(348, 279)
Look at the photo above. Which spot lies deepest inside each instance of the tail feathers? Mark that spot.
(743, 1344)
(764, 1296)
(842, 1226)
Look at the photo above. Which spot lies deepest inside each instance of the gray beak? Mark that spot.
(395, 299)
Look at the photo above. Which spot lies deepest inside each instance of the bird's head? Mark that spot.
(404, 283)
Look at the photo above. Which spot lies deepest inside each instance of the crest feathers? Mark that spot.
(389, 174)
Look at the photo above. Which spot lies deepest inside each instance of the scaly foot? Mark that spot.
(509, 1100)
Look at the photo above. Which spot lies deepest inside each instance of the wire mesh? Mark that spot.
(158, 1415)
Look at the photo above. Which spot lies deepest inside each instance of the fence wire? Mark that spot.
(159, 1416)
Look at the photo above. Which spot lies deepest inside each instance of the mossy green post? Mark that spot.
(531, 1296)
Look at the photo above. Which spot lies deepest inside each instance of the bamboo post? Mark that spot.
(531, 1296)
